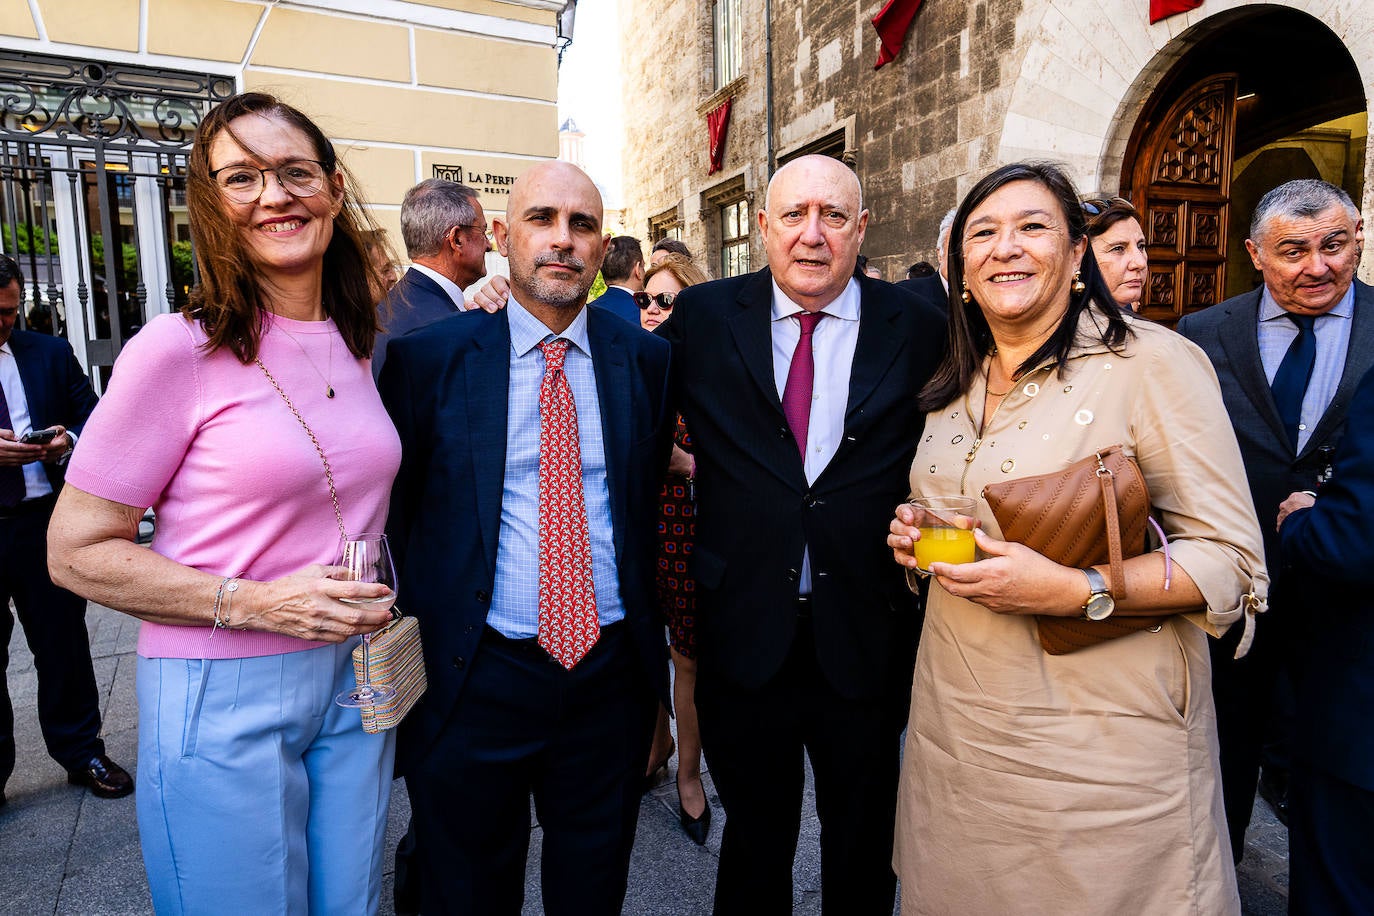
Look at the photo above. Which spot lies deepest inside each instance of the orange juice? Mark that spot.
(944, 545)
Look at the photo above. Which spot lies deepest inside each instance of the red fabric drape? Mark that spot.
(717, 123)
(893, 22)
(1162, 9)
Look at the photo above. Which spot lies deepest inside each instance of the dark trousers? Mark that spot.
(575, 739)
(1245, 691)
(54, 622)
(754, 742)
(1330, 851)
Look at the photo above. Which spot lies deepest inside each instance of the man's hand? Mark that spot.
(1293, 503)
(491, 297)
(14, 453)
(58, 447)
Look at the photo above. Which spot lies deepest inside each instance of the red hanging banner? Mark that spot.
(893, 22)
(717, 123)
(1163, 9)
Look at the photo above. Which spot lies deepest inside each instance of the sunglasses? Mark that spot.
(663, 300)
(1096, 206)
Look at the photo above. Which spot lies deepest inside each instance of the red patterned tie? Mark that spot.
(796, 394)
(568, 626)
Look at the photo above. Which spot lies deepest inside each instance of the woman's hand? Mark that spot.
(1013, 580)
(306, 605)
(903, 533)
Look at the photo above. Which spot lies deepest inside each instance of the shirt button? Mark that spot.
(1302, 426)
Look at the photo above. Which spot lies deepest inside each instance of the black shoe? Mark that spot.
(696, 828)
(1273, 788)
(104, 777)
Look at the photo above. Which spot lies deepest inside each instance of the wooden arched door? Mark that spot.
(1181, 184)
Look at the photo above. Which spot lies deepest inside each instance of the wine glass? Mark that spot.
(367, 557)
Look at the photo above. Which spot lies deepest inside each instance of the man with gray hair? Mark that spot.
(934, 288)
(445, 233)
(1289, 356)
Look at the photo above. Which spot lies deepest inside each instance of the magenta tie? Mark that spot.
(12, 487)
(796, 394)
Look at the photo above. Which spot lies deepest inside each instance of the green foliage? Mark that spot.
(128, 270)
(32, 239)
(598, 287)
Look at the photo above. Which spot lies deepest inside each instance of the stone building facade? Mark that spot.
(100, 100)
(1192, 117)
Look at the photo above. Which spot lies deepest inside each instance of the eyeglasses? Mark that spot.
(663, 300)
(1096, 206)
(244, 184)
(486, 233)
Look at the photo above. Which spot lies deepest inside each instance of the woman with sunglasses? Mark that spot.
(1119, 246)
(676, 589)
(250, 422)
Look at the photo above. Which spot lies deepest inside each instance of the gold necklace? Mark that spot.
(328, 385)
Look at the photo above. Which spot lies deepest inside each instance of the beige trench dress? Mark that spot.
(1088, 782)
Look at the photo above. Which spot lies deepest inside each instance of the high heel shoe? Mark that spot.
(658, 772)
(696, 828)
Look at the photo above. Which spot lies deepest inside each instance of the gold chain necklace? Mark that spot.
(328, 384)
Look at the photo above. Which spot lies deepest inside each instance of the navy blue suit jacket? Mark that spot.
(755, 510)
(55, 386)
(446, 387)
(929, 289)
(415, 301)
(1328, 553)
(619, 302)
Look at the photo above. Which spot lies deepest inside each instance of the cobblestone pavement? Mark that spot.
(66, 852)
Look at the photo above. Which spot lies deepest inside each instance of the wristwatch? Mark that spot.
(1100, 603)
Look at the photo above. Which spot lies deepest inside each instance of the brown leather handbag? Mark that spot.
(1095, 511)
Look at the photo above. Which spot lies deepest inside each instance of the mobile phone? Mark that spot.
(38, 436)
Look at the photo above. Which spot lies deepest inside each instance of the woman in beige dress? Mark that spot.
(1086, 782)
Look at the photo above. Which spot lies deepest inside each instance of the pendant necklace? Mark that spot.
(328, 385)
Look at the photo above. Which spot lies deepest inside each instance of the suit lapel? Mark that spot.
(1359, 358)
(1240, 339)
(876, 348)
(752, 327)
(487, 377)
(615, 395)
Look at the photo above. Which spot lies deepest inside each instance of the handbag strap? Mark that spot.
(1107, 479)
(328, 471)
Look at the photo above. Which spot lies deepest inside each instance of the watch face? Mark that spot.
(1099, 606)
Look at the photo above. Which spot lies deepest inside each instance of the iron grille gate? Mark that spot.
(92, 193)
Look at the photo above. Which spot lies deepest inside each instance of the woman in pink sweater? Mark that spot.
(256, 793)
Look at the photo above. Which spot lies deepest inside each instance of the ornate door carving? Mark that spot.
(1181, 184)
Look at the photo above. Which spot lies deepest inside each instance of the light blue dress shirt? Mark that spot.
(1277, 333)
(832, 350)
(515, 594)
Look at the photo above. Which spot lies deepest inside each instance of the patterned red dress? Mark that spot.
(677, 600)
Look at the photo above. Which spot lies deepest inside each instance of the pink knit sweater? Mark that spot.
(236, 483)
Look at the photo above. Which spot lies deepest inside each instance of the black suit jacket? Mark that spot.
(446, 387)
(415, 301)
(619, 302)
(55, 386)
(929, 289)
(1229, 333)
(755, 510)
(1329, 552)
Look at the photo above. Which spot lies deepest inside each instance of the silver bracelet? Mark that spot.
(219, 624)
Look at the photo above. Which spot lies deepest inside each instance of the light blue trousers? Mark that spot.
(256, 792)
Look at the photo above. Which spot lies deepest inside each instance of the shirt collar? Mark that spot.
(454, 291)
(527, 331)
(5, 347)
(845, 306)
(1269, 309)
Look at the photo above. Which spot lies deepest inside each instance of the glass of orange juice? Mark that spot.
(946, 524)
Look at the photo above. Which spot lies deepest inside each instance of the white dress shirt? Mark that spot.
(832, 349)
(454, 291)
(35, 478)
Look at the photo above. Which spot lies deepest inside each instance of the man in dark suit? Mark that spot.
(42, 387)
(445, 233)
(623, 271)
(804, 429)
(1288, 356)
(934, 287)
(1328, 549)
(523, 521)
